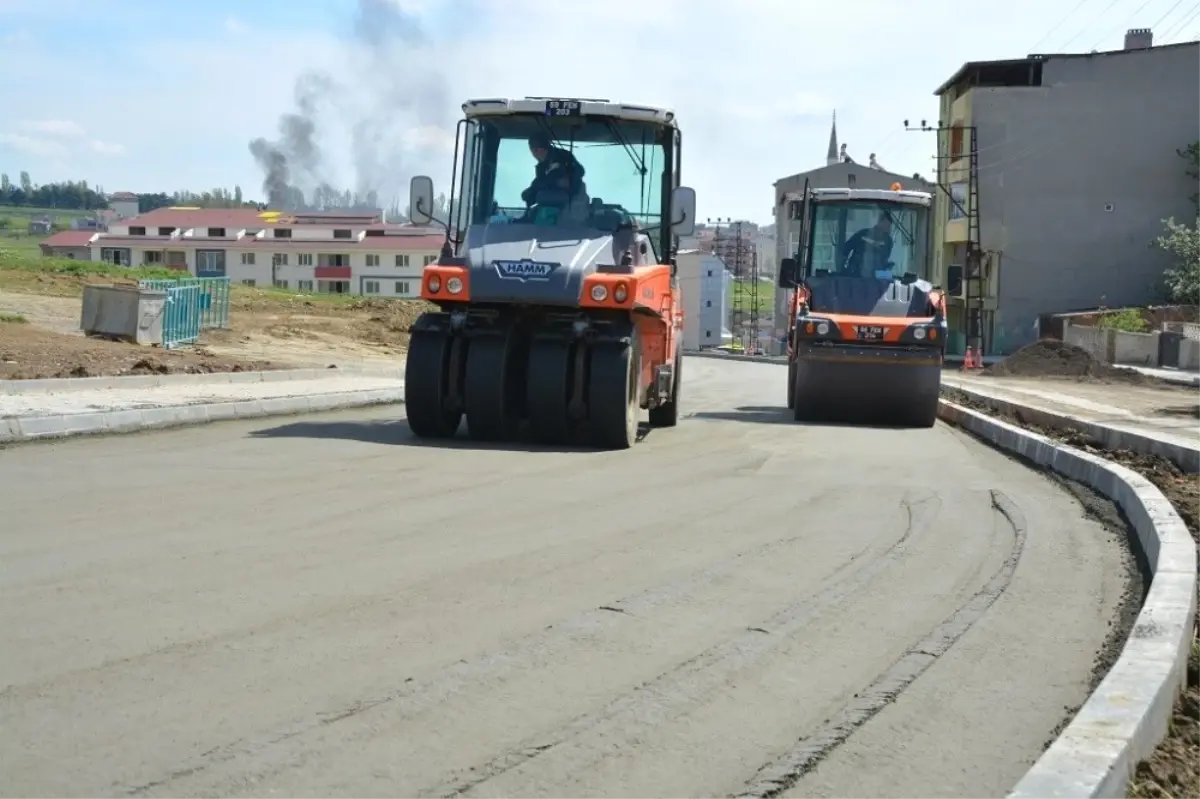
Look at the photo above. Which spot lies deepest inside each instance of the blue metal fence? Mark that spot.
(181, 316)
(193, 304)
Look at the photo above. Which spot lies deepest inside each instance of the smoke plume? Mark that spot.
(388, 108)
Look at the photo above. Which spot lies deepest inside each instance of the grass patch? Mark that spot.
(29, 272)
(12, 318)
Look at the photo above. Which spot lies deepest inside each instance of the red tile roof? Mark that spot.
(199, 217)
(69, 238)
(370, 243)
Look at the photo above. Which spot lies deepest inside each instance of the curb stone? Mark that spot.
(209, 378)
(29, 428)
(1127, 716)
(1183, 453)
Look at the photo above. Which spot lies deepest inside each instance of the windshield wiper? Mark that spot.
(624, 142)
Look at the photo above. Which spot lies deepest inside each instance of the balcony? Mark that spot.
(332, 273)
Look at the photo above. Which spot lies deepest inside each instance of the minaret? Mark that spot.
(831, 157)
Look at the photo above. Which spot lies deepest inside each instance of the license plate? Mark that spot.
(870, 333)
(563, 108)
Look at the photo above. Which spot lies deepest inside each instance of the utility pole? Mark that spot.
(973, 289)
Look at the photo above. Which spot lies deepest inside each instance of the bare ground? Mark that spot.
(268, 329)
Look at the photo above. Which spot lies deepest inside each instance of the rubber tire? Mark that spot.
(547, 390)
(926, 416)
(791, 387)
(488, 391)
(667, 414)
(613, 393)
(426, 382)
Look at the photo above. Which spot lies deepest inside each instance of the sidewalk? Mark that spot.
(1165, 413)
(59, 408)
(73, 401)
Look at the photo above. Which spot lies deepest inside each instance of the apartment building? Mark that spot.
(337, 253)
(1076, 169)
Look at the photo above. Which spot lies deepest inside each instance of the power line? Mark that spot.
(1132, 17)
(1048, 33)
(1107, 8)
(1178, 3)
(1179, 26)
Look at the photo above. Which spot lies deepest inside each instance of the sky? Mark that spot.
(134, 95)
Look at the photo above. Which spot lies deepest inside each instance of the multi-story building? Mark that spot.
(339, 253)
(1077, 166)
(707, 288)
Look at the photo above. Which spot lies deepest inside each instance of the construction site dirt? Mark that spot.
(1174, 768)
(1056, 359)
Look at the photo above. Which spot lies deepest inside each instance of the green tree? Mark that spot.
(1182, 241)
(26, 183)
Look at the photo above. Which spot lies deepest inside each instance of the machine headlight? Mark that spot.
(620, 292)
(822, 328)
(454, 285)
(435, 284)
(599, 293)
(919, 333)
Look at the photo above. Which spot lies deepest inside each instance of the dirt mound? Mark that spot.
(1051, 358)
(29, 353)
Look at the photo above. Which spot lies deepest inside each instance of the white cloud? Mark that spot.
(235, 26)
(62, 128)
(106, 148)
(30, 145)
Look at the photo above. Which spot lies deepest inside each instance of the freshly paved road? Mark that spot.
(319, 606)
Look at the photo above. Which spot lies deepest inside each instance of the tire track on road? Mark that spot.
(276, 752)
(777, 776)
(666, 694)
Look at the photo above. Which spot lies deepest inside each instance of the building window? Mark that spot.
(430, 259)
(958, 201)
(304, 259)
(956, 141)
(372, 260)
(283, 233)
(279, 259)
(137, 231)
(216, 232)
(280, 284)
(250, 282)
(708, 303)
(333, 259)
(402, 287)
(166, 231)
(152, 257)
(370, 287)
(341, 234)
(305, 285)
(708, 334)
(795, 209)
(710, 273)
(247, 259)
(401, 260)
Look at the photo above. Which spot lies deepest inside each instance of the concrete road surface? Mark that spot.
(320, 606)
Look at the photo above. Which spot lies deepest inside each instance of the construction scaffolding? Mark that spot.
(733, 243)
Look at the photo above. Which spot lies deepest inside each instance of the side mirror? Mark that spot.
(788, 276)
(683, 211)
(420, 200)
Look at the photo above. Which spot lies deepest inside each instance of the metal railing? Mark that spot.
(193, 304)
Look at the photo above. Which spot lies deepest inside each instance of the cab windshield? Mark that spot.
(860, 249)
(868, 239)
(620, 165)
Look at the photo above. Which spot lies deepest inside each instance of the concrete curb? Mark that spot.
(1179, 451)
(1127, 715)
(129, 421)
(211, 378)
